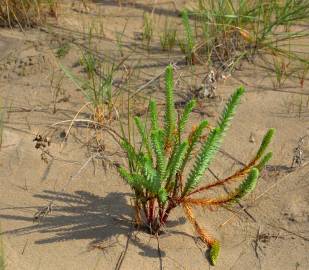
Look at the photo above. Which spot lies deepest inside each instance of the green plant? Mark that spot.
(233, 30)
(148, 27)
(168, 38)
(97, 87)
(26, 13)
(280, 68)
(56, 89)
(119, 37)
(63, 50)
(187, 45)
(158, 169)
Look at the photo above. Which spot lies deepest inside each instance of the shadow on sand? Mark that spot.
(83, 215)
(157, 9)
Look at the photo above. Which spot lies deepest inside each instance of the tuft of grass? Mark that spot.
(168, 37)
(56, 89)
(26, 13)
(229, 31)
(63, 50)
(148, 30)
(187, 45)
(97, 87)
(280, 70)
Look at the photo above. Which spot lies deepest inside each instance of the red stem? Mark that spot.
(151, 211)
(163, 218)
(160, 212)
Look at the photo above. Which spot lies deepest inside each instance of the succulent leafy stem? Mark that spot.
(157, 168)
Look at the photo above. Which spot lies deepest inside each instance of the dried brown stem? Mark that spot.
(240, 173)
(205, 237)
(207, 202)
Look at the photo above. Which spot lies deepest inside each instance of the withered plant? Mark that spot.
(26, 13)
(159, 170)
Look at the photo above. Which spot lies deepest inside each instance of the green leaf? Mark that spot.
(185, 115)
(214, 252)
(203, 159)
(89, 62)
(170, 113)
(153, 115)
(230, 109)
(79, 83)
(194, 138)
(158, 148)
(265, 142)
(162, 194)
(176, 160)
(152, 181)
(213, 142)
(129, 149)
(264, 161)
(142, 131)
(248, 185)
(133, 181)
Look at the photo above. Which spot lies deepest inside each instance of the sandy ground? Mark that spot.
(89, 226)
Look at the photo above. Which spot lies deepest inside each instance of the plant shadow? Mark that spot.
(83, 216)
(157, 9)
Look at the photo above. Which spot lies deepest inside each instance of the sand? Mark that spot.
(89, 225)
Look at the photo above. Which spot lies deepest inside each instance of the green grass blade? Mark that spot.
(190, 41)
(79, 83)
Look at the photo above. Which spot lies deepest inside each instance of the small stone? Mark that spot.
(252, 138)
